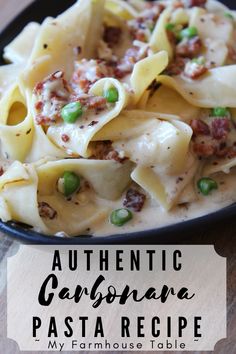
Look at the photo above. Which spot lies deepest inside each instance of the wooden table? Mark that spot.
(222, 235)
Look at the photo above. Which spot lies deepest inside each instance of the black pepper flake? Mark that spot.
(179, 179)
(79, 50)
(45, 46)
(28, 131)
(191, 93)
(94, 122)
(18, 134)
(202, 20)
(81, 127)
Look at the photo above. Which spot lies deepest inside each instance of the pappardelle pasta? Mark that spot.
(119, 116)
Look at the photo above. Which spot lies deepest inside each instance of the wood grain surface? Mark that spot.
(222, 235)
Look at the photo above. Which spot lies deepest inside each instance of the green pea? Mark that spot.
(170, 26)
(206, 185)
(200, 60)
(188, 32)
(71, 183)
(120, 217)
(71, 112)
(220, 112)
(111, 95)
(229, 15)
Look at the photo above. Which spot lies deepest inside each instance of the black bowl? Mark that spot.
(37, 11)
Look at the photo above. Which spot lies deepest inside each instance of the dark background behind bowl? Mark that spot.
(213, 224)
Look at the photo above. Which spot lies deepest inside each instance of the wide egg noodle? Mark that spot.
(149, 139)
(55, 44)
(126, 41)
(18, 192)
(16, 125)
(145, 71)
(79, 138)
(108, 178)
(8, 75)
(214, 89)
(121, 9)
(167, 100)
(159, 40)
(19, 50)
(163, 188)
(210, 26)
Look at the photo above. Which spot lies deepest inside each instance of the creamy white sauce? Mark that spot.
(153, 217)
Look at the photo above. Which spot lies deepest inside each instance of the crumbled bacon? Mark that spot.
(189, 48)
(211, 139)
(126, 64)
(112, 35)
(98, 103)
(145, 22)
(204, 150)
(1, 171)
(51, 95)
(65, 138)
(197, 3)
(46, 211)
(134, 200)
(232, 53)
(104, 151)
(87, 72)
(199, 127)
(176, 67)
(220, 128)
(194, 70)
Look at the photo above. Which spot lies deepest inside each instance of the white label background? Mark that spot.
(203, 273)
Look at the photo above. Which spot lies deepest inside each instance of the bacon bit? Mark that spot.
(87, 72)
(104, 151)
(194, 70)
(65, 138)
(46, 211)
(1, 171)
(94, 122)
(199, 127)
(126, 64)
(204, 150)
(176, 67)
(197, 3)
(52, 93)
(220, 128)
(38, 105)
(112, 35)
(114, 155)
(134, 200)
(98, 103)
(78, 50)
(231, 53)
(189, 48)
(38, 87)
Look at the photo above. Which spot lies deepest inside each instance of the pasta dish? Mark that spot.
(119, 116)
